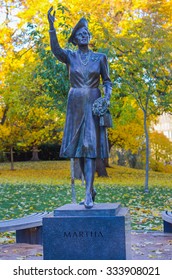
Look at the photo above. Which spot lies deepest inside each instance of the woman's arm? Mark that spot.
(59, 53)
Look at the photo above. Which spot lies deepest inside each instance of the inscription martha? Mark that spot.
(83, 234)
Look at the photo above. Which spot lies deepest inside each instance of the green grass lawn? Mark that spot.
(40, 186)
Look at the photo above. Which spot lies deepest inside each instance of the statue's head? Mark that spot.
(80, 34)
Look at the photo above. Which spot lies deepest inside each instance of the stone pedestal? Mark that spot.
(76, 233)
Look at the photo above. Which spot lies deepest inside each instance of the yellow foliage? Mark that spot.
(161, 147)
(128, 134)
(58, 172)
(108, 21)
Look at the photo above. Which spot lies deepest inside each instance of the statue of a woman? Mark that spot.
(83, 137)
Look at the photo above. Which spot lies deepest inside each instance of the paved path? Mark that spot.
(145, 246)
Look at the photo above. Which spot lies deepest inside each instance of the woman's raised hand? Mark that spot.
(51, 18)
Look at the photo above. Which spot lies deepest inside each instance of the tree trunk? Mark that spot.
(132, 159)
(106, 162)
(35, 156)
(100, 168)
(12, 158)
(147, 153)
(121, 157)
(4, 116)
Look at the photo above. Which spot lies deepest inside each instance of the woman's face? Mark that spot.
(82, 37)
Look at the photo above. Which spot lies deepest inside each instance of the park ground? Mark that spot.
(144, 246)
(43, 186)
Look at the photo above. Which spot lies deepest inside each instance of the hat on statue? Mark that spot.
(81, 23)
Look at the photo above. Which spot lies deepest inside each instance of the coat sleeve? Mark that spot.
(104, 72)
(60, 54)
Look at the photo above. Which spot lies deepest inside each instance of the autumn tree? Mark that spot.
(28, 115)
(161, 150)
(32, 117)
(127, 134)
(142, 66)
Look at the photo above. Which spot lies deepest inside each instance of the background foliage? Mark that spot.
(136, 36)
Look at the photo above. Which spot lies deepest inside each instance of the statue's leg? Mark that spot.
(81, 162)
(89, 171)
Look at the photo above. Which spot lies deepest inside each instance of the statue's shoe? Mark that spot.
(88, 202)
(81, 203)
(93, 197)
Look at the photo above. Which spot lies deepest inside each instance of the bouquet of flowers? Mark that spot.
(100, 109)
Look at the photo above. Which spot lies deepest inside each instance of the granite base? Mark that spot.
(76, 233)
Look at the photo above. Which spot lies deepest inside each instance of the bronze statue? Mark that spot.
(84, 137)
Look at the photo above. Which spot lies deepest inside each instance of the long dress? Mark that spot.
(83, 137)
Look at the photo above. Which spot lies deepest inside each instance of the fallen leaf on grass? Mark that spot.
(156, 228)
(144, 220)
(148, 242)
(151, 256)
(158, 252)
(142, 245)
(38, 254)
(139, 253)
(15, 251)
(135, 248)
(155, 213)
